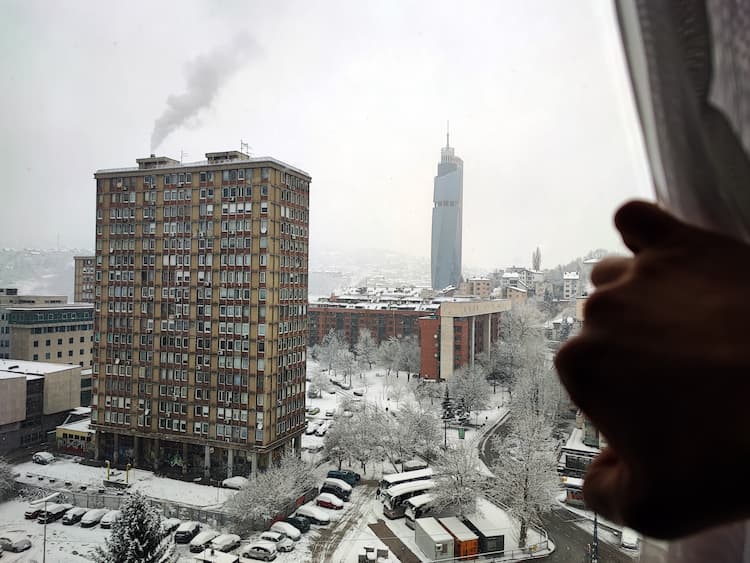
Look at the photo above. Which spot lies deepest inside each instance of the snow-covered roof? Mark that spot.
(575, 442)
(433, 528)
(81, 411)
(570, 276)
(519, 289)
(240, 162)
(31, 369)
(78, 426)
(511, 275)
(572, 482)
(457, 528)
(592, 261)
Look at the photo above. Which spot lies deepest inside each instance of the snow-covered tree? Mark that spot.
(268, 492)
(346, 363)
(426, 390)
(410, 432)
(328, 350)
(469, 386)
(536, 259)
(458, 479)
(338, 444)
(410, 355)
(365, 440)
(318, 380)
(389, 354)
(521, 342)
(137, 537)
(366, 349)
(7, 481)
(525, 471)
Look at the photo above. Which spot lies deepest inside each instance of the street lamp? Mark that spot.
(44, 541)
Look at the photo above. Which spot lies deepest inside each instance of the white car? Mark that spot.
(92, 517)
(286, 528)
(263, 550)
(328, 500)
(110, 518)
(312, 428)
(629, 539)
(170, 524)
(236, 482)
(322, 429)
(43, 458)
(225, 542)
(314, 514)
(339, 484)
(282, 542)
(202, 540)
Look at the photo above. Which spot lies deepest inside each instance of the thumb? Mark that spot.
(604, 484)
(643, 224)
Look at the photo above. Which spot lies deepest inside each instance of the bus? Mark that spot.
(394, 498)
(406, 477)
(417, 507)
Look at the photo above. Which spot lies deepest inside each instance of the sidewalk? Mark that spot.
(397, 547)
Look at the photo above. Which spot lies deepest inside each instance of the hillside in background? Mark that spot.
(40, 272)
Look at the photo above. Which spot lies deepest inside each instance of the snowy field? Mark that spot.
(65, 544)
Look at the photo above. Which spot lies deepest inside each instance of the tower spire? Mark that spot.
(447, 134)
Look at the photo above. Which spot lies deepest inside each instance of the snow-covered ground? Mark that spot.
(67, 469)
(65, 544)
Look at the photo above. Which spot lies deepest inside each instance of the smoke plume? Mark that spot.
(205, 75)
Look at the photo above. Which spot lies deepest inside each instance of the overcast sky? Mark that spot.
(355, 93)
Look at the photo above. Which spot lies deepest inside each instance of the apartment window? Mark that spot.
(47, 343)
(36, 357)
(36, 344)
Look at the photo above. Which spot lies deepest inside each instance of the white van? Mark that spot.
(629, 539)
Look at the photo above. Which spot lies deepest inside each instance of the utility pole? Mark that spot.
(595, 543)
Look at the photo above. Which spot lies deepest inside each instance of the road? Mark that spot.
(570, 540)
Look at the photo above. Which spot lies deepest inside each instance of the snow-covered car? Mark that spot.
(236, 482)
(329, 414)
(339, 483)
(629, 539)
(225, 542)
(359, 392)
(314, 514)
(73, 515)
(263, 550)
(18, 546)
(186, 531)
(32, 512)
(347, 414)
(92, 517)
(170, 524)
(282, 542)
(317, 448)
(314, 411)
(286, 528)
(110, 518)
(351, 477)
(202, 540)
(43, 458)
(323, 428)
(312, 427)
(344, 385)
(328, 500)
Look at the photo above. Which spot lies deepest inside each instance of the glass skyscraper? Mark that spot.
(447, 217)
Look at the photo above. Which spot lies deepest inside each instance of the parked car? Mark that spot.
(314, 514)
(344, 385)
(32, 512)
(331, 389)
(335, 491)
(73, 515)
(110, 518)
(314, 411)
(359, 392)
(238, 482)
(202, 540)
(349, 477)
(282, 542)
(315, 449)
(329, 500)
(263, 550)
(43, 458)
(322, 429)
(286, 528)
(18, 546)
(629, 539)
(312, 427)
(53, 512)
(329, 414)
(299, 522)
(186, 531)
(225, 542)
(93, 517)
(5, 543)
(170, 524)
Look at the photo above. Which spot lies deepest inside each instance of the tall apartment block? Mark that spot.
(84, 272)
(201, 313)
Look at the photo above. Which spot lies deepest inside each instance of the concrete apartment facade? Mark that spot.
(84, 280)
(447, 220)
(35, 397)
(201, 313)
(10, 296)
(479, 287)
(570, 285)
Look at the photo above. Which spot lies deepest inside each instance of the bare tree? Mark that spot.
(536, 259)
(338, 444)
(469, 386)
(525, 470)
(366, 348)
(389, 354)
(328, 350)
(458, 480)
(346, 363)
(410, 355)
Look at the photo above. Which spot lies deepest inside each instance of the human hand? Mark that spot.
(662, 369)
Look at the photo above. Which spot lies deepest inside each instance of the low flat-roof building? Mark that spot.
(35, 397)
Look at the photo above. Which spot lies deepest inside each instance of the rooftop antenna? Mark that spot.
(447, 134)
(183, 154)
(245, 147)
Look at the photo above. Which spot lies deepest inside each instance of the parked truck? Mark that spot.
(434, 541)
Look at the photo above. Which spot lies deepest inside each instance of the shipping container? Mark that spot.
(432, 539)
(465, 542)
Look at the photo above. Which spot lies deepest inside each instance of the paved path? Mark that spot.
(397, 547)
